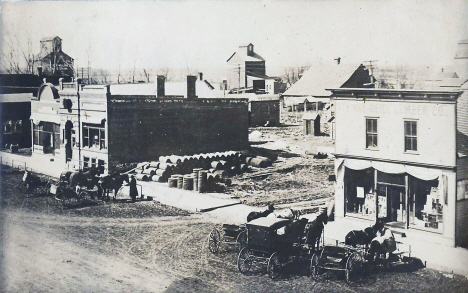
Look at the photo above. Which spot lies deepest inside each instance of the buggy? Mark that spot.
(62, 193)
(355, 261)
(233, 235)
(267, 244)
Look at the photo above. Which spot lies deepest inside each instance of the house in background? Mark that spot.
(310, 91)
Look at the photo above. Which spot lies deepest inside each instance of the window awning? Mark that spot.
(393, 168)
(42, 117)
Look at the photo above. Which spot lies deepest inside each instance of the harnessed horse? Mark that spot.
(112, 182)
(313, 230)
(360, 237)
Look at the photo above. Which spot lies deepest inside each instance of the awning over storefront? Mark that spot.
(42, 117)
(392, 168)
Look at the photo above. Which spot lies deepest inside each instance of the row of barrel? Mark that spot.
(217, 166)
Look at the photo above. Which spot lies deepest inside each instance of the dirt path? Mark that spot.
(36, 260)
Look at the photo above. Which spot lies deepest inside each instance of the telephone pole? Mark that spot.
(238, 71)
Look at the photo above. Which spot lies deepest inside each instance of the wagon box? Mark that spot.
(262, 232)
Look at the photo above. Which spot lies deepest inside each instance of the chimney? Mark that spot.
(161, 92)
(201, 76)
(191, 92)
(39, 71)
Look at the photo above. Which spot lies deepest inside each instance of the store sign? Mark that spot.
(371, 108)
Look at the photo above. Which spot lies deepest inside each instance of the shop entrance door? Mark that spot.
(392, 206)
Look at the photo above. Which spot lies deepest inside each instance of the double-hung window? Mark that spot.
(411, 136)
(371, 133)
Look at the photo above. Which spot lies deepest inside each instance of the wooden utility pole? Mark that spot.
(238, 70)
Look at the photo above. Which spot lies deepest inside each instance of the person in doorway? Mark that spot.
(133, 188)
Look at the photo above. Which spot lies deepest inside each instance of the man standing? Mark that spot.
(133, 188)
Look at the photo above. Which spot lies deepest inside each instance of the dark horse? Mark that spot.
(255, 215)
(31, 180)
(295, 231)
(113, 183)
(87, 179)
(314, 229)
(360, 237)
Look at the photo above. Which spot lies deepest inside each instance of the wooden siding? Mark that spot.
(262, 112)
(462, 123)
(462, 168)
(461, 236)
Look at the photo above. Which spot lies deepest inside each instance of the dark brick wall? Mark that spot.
(263, 111)
(142, 128)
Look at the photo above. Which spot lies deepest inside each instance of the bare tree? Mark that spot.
(167, 72)
(293, 74)
(16, 58)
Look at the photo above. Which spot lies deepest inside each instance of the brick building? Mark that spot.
(78, 126)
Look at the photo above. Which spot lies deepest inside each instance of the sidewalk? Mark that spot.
(435, 256)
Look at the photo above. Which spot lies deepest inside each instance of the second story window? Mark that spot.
(371, 133)
(411, 136)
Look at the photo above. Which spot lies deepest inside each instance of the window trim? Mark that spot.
(413, 152)
(372, 148)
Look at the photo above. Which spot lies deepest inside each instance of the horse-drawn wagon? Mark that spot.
(277, 242)
(232, 235)
(358, 256)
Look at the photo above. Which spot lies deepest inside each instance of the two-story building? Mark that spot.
(397, 159)
(77, 126)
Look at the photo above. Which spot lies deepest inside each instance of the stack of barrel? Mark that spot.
(201, 172)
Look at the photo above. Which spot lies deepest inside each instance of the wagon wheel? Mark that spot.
(274, 266)
(26, 189)
(315, 270)
(214, 240)
(84, 196)
(55, 198)
(72, 198)
(354, 269)
(45, 190)
(244, 260)
(242, 239)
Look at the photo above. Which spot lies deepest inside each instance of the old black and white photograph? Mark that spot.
(234, 146)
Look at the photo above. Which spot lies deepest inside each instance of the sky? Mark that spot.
(202, 35)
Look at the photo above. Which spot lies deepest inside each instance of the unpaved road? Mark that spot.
(60, 253)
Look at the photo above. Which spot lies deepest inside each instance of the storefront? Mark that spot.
(403, 196)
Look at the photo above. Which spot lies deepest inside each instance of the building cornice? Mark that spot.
(417, 164)
(396, 95)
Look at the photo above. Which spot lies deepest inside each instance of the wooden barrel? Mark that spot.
(175, 159)
(248, 160)
(180, 181)
(187, 182)
(244, 168)
(259, 163)
(172, 182)
(202, 181)
(221, 173)
(150, 171)
(235, 170)
(196, 172)
(161, 172)
(154, 164)
(157, 178)
(195, 181)
(141, 177)
(216, 165)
